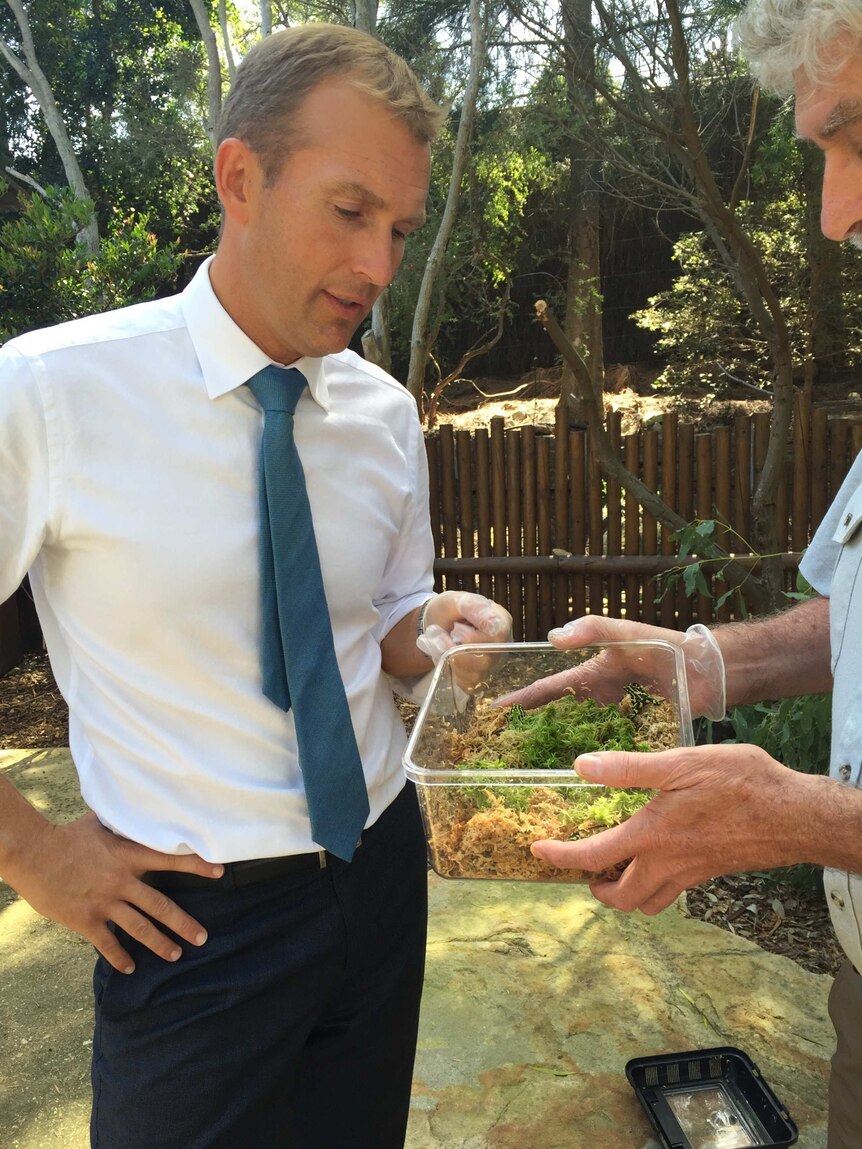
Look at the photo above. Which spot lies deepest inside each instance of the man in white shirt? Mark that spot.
(252, 989)
(731, 808)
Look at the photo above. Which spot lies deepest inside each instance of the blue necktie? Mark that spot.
(299, 666)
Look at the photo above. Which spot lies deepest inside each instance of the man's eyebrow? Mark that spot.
(365, 195)
(845, 112)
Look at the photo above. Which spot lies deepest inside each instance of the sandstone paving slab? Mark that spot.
(536, 996)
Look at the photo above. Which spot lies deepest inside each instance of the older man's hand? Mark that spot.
(606, 676)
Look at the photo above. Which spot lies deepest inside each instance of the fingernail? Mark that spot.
(130, 968)
(174, 955)
(564, 631)
(557, 632)
(200, 938)
(217, 871)
(587, 765)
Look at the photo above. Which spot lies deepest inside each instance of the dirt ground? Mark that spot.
(531, 400)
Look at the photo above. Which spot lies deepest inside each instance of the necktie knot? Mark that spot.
(277, 388)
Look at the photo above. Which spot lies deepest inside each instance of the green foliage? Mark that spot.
(701, 322)
(795, 731)
(46, 277)
(495, 222)
(697, 537)
(128, 77)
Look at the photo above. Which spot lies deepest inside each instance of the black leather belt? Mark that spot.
(237, 874)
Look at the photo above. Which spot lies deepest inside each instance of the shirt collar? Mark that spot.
(227, 357)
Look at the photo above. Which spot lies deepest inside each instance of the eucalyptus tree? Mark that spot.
(201, 12)
(127, 84)
(658, 120)
(18, 49)
(423, 332)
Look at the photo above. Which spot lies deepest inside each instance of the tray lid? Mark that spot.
(708, 1098)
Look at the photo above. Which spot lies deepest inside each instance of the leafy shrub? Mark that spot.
(703, 325)
(795, 731)
(46, 276)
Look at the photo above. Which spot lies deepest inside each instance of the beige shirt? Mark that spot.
(833, 566)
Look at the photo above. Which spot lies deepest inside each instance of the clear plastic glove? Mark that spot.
(456, 617)
(606, 676)
(459, 618)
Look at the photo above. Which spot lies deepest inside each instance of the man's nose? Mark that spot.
(841, 211)
(376, 257)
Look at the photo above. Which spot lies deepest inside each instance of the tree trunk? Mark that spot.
(376, 343)
(225, 35)
(365, 16)
(33, 76)
(758, 593)
(421, 337)
(265, 17)
(380, 330)
(213, 66)
(583, 317)
(747, 267)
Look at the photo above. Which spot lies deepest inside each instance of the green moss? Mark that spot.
(608, 809)
(552, 737)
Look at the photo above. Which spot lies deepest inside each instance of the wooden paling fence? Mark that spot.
(524, 515)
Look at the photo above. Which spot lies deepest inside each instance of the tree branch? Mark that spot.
(612, 466)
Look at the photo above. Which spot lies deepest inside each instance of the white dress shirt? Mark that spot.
(833, 566)
(129, 454)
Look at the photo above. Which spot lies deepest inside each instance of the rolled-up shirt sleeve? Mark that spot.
(408, 579)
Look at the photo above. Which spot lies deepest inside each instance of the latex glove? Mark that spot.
(605, 676)
(456, 617)
(459, 618)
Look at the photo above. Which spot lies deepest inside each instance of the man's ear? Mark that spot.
(238, 177)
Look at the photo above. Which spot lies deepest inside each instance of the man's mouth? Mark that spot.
(348, 303)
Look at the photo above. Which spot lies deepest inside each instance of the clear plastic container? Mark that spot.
(492, 748)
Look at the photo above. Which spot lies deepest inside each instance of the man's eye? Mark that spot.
(400, 235)
(347, 213)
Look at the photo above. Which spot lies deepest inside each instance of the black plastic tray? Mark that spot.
(708, 1098)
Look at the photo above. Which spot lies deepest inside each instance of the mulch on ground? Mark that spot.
(773, 910)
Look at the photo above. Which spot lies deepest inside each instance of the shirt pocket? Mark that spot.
(843, 592)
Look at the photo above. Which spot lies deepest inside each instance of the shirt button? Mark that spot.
(837, 899)
(848, 519)
(844, 771)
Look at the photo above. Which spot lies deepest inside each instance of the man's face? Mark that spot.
(830, 116)
(318, 247)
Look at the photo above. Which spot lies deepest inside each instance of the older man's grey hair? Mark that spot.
(780, 37)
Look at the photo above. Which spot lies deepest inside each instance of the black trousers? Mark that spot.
(294, 1025)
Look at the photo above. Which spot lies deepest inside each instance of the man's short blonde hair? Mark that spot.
(282, 69)
(780, 37)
